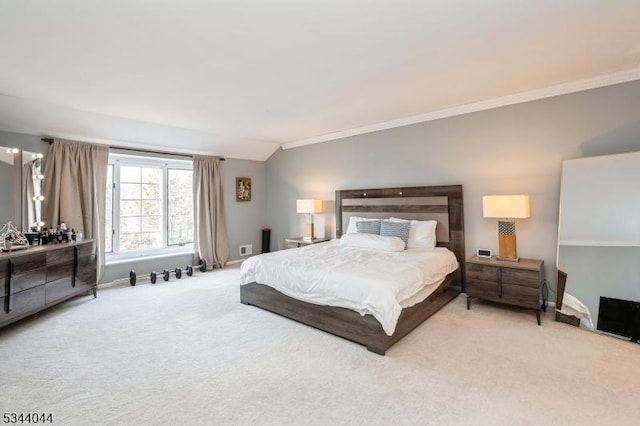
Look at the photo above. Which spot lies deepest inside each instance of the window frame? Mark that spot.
(117, 160)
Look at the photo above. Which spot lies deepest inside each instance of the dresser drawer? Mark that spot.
(86, 250)
(62, 255)
(4, 267)
(482, 289)
(27, 271)
(520, 277)
(87, 274)
(482, 272)
(25, 280)
(21, 303)
(57, 271)
(526, 297)
(27, 262)
(56, 290)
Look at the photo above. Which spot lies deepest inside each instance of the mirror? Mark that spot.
(599, 240)
(21, 189)
(10, 207)
(32, 190)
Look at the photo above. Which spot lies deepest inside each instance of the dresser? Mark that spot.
(512, 283)
(39, 277)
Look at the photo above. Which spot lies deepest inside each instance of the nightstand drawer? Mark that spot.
(526, 297)
(520, 277)
(482, 272)
(482, 289)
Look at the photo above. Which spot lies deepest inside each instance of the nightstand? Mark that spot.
(300, 241)
(512, 283)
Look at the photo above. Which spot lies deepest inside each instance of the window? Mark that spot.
(180, 206)
(149, 206)
(108, 216)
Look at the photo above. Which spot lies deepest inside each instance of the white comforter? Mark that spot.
(365, 280)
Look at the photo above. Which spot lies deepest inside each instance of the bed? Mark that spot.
(440, 203)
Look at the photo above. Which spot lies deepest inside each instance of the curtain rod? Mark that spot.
(50, 141)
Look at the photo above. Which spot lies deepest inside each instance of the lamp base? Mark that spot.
(507, 241)
(509, 259)
(310, 236)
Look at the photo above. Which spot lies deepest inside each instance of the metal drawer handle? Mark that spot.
(75, 266)
(8, 305)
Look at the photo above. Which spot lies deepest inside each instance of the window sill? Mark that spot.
(121, 258)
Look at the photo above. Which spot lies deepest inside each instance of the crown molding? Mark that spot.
(532, 95)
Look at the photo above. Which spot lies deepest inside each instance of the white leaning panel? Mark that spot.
(600, 201)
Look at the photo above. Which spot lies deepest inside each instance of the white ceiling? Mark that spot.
(241, 78)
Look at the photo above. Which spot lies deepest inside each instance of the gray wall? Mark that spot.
(515, 149)
(245, 219)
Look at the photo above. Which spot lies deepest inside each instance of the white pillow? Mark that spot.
(422, 233)
(372, 241)
(352, 223)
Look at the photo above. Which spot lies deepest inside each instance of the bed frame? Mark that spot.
(441, 203)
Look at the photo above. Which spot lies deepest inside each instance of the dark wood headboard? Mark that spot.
(440, 203)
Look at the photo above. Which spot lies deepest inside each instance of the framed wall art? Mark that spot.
(243, 189)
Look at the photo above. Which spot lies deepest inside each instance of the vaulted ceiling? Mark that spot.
(242, 78)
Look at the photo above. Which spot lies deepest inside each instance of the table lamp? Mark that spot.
(309, 207)
(506, 208)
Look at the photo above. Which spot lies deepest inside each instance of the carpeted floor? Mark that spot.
(187, 352)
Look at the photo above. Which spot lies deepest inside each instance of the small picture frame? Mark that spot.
(243, 189)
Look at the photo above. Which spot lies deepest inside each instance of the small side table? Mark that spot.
(512, 283)
(300, 241)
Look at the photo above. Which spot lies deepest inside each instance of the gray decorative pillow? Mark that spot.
(369, 227)
(395, 229)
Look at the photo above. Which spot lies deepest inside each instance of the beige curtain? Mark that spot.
(75, 179)
(210, 239)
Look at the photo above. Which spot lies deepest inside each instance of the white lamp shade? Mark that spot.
(506, 206)
(309, 206)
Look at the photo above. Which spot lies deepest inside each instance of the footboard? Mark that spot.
(346, 323)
